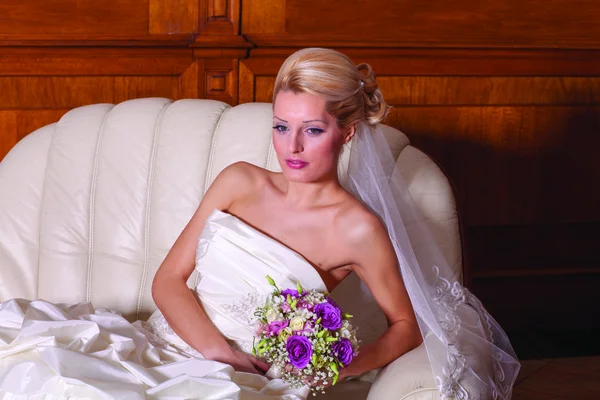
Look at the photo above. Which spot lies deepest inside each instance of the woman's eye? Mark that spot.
(314, 131)
(280, 128)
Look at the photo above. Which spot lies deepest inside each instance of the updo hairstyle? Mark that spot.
(350, 92)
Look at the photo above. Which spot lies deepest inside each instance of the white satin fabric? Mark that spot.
(56, 351)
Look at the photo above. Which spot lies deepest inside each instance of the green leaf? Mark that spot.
(319, 321)
(299, 288)
(335, 379)
(321, 334)
(271, 281)
(334, 368)
(331, 339)
(344, 315)
(293, 305)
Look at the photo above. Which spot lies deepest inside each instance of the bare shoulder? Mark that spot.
(243, 171)
(360, 228)
(242, 175)
(236, 181)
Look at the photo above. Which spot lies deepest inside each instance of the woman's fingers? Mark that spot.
(246, 366)
(261, 365)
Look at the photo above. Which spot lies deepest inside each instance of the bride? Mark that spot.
(300, 225)
(318, 102)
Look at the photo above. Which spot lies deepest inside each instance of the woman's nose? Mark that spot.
(296, 144)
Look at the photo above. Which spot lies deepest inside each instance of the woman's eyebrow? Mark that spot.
(304, 122)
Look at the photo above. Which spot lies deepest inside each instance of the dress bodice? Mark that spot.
(233, 260)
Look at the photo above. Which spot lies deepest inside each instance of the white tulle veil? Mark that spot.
(470, 355)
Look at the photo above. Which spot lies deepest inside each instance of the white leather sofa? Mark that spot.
(90, 205)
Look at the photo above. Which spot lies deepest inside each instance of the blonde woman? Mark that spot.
(307, 225)
(321, 102)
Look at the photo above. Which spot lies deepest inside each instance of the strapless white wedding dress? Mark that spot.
(52, 351)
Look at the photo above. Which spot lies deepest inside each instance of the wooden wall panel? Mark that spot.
(173, 16)
(490, 90)
(219, 17)
(44, 17)
(8, 132)
(428, 23)
(68, 61)
(220, 80)
(264, 17)
(528, 163)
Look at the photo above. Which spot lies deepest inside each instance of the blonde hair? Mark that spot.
(350, 92)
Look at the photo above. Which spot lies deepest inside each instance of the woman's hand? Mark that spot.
(346, 373)
(241, 361)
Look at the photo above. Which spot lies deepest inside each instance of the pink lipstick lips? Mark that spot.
(296, 164)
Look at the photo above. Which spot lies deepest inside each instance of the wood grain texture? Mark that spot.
(432, 23)
(220, 80)
(444, 62)
(8, 132)
(513, 165)
(95, 40)
(553, 302)
(73, 17)
(491, 90)
(67, 92)
(219, 17)
(535, 250)
(188, 82)
(127, 88)
(264, 16)
(173, 16)
(16, 62)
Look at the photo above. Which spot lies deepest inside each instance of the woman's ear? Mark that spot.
(350, 134)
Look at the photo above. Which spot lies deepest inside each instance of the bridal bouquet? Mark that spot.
(305, 336)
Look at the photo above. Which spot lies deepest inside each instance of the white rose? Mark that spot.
(273, 315)
(296, 323)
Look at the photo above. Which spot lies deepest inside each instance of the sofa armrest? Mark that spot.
(407, 378)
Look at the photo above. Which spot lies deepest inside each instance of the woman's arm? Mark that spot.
(377, 266)
(170, 291)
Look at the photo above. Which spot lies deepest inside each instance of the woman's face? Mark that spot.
(306, 138)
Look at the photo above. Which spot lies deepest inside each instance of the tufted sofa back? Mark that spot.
(90, 205)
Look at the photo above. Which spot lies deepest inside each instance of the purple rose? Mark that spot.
(343, 351)
(332, 302)
(331, 316)
(292, 292)
(276, 326)
(299, 350)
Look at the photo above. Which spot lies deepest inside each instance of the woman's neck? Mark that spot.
(311, 195)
